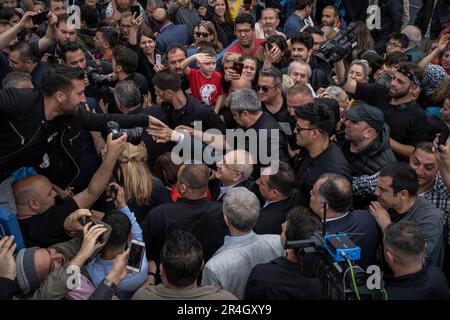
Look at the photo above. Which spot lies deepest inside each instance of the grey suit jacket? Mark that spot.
(230, 266)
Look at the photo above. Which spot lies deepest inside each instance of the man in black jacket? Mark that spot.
(192, 212)
(279, 195)
(42, 130)
(366, 146)
(233, 171)
(404, 251)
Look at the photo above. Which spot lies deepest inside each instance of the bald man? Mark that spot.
(168, 32)
(415, 38)
(41, 221)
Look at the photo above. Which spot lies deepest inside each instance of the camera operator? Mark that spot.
(43, 128)
(302, 44)
(333, 193)
(404, 251)
(280, 279)
(96, 72)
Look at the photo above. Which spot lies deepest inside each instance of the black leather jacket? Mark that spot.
(52, 147)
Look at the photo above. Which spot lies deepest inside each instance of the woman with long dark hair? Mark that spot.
(144, 44)
(221, 18)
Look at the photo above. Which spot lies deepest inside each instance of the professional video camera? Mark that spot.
(329, 257)
(134, 135)
(340, 47)
(95, 71)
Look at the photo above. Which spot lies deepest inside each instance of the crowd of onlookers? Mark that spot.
(98, 98)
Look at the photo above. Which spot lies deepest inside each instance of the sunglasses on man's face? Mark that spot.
(264, 89)
(202, 34)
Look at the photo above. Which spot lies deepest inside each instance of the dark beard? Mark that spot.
(399, 95)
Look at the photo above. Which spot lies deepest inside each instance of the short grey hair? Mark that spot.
(299, 63)
(13, 79)
(364, 65)
(334, 92)
(127, 94)
(270, 9)
(413, 33)
(244, 100)
(241, 207)
(273, 73)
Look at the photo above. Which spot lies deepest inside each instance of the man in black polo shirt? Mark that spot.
(315, 123)
(404, 116)
(404, 251)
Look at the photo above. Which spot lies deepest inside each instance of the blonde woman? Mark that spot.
(142, 191)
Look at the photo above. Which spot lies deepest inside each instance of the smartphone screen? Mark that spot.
(238, 67)
(40, 17)
(268, 46)
(158, 58)
(135, 11)
(444, 136)
(135, 256)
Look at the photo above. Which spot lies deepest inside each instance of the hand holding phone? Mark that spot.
(268, 46)
(136, 254)
(41, 17)
(135, 11)
(158, 58)
(238, 67)
(443, 137)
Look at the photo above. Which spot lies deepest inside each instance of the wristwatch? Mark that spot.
(110, 284)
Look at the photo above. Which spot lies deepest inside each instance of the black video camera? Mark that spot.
(339, 48)
(134, 135)
(329, 259)
(94, 72)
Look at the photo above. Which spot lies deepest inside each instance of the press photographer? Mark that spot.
(97, 72)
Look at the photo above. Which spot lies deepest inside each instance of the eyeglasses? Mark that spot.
(298, 128)
(202, 34)
(393, 44)
(243, 31)
(265, 89)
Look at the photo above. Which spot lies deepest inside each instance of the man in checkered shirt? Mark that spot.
(433, 171)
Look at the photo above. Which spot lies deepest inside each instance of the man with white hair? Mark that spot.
(267, 25)
(415, 37)
(243, 249)
(300, 72)
(233, 171)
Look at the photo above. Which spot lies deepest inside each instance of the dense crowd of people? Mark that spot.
(121, 123)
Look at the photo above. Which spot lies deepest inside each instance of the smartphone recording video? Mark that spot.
(268, 46)
(444, 136)
(238, 67)
(135, 11)
(136, 254)
(41, 17)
